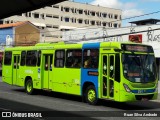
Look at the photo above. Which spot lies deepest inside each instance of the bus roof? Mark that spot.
(63, 45)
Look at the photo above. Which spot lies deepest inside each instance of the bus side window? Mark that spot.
(7, 58)
(59, 58)
(31, 58)
(39, 58)
(74, 58)
(91, 58)
(23, 58)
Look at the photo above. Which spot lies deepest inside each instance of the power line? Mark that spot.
(102, 37)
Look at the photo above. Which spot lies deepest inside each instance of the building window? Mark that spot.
(59, 58)
(115, 16)
(61, 18)
(115, 25)
(92, 13)
(74, 58)
(72, 19)
(36, 15)
(66, 19)
(109, 15)
(61, 8)
(48, 26)
(104, 15)
(66, 9)
(29, 14)
(49, 15)
(80, 11)
(92, 22)
(80, 21)
(104, 24)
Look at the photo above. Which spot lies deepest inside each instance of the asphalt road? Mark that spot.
(62, 106)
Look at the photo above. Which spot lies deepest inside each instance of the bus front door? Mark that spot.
(15, 69)
(47, 68)
(107, 81)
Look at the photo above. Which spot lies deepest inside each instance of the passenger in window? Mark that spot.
(76, 64)
(87, 63)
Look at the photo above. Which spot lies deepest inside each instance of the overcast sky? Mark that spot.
(130, 8)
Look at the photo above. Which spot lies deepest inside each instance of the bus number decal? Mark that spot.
(29, 71)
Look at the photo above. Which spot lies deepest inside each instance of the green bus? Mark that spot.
(115, 71)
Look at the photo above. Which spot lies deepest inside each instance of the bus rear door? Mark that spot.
(47, 67)
(15, 69)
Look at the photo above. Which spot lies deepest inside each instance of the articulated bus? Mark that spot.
(114, 71)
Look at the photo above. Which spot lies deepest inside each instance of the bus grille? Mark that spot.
(144, 97)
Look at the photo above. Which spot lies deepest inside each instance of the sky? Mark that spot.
(130, 8)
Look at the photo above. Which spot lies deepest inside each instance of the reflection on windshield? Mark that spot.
(139, 67)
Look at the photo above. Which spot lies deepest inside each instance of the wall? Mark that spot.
(6, 37)
(26, 34)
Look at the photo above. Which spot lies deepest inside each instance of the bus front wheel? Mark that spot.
(90, 95)
(29, 87)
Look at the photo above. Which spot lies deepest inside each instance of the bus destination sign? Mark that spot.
(137, 48)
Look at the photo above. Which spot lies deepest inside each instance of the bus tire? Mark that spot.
(91, 95)
(29, 87)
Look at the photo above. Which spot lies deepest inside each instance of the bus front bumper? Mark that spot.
(127, 97)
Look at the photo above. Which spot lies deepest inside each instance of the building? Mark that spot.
(18, 34)
(52, 20)
(146, 32)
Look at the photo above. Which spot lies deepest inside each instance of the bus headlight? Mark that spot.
(127, 88)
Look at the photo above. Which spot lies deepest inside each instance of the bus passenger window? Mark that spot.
(23, 58)
(91, 58)
(8, 58)
(74, 58)
(39, 58)
(31, 58)
(59, 58)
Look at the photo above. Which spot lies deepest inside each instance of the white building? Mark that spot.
(146, 32)
(68, 15)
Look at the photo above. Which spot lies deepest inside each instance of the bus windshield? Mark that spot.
(139, 68)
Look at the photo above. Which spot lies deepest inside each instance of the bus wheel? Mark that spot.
(90, 95)
(29, 87)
